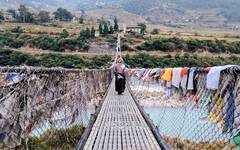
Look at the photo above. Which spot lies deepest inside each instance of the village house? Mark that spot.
(133, 29)
(8, 17)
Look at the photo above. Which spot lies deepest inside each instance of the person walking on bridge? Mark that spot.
(120, 77)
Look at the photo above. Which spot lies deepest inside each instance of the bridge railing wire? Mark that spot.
(194, 119)
(47, 108)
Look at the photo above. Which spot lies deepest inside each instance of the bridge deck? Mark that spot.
(120, 126)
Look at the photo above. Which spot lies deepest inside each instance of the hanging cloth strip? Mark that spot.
(176, 77)
(158, 73)
(190, 85)
(213, 77)
(168, 75)
(184, 76)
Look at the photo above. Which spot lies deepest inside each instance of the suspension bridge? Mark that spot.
(40, 102)
(120, 124)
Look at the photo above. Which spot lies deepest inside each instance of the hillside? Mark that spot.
(174, 13)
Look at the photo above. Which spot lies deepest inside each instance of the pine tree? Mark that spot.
(93, 32)
(116, 28)
(143, 27)
(100, 29)
(105, 29)
(111, 30)
(1, 16)
(88, 33)
(83, 34)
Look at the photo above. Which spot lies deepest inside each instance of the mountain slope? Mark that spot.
(152, 10)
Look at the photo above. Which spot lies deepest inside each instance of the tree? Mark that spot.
(1, 16)
(100, 28)
(155, 31)
(85, 34)
(24, 15)
(43, 16)
(82, 34)
(93, 32)
(63, 14)
(12, 12)
(64, 34)
(116, 28)
(105, 29)
(143, 27)
(81, 19)
(88, 33)
(111, 31)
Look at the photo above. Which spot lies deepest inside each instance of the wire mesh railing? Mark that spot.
(47, 108)
(190, 115)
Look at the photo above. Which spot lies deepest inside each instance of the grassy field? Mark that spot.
(201, 35)
(55, 28)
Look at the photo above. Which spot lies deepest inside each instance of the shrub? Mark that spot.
(64, 34)
(17, 30)
(112, 40)
(192, 45)
(16, 58)
(56, 139)
(54, 60)
(44, 42)
(99, 61)
(155, 31)
(143, 60)
(126, 47)
(68, 43)
(11, 58)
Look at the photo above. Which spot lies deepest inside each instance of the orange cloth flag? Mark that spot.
(168, 75)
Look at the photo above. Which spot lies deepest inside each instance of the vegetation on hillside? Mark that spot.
(16, 38)
(178, 143)
(59, 139)
(11, 58)
(191, 45)
(143, 60)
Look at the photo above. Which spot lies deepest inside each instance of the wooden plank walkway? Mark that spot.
(120, 126)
